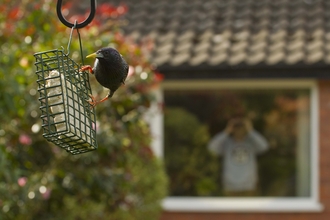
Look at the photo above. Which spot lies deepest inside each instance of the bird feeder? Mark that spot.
(68, 119)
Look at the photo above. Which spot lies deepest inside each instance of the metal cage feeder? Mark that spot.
(68, 120)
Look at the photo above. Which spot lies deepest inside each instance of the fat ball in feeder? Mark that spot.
(67, 118)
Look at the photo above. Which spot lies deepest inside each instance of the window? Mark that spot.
(281, 175)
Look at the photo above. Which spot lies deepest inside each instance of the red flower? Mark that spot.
(25, 139)
(122, 9)
(159, 77)
(106, 9)
(22, 181)
(14, 13)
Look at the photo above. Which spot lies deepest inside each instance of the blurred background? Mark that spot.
(38, 180)
(197, 64)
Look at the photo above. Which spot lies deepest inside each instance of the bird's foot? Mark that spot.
(104, 99)
(88, 68)
(93, 101)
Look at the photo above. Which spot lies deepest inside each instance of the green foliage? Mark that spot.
(122, 179)
(192, 169)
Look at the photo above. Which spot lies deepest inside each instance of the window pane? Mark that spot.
(243, 166)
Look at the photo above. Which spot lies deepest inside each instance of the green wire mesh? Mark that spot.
(68, 120)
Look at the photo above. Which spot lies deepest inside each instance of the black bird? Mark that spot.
(110, 70)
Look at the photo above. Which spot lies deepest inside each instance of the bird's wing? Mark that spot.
(126, 67)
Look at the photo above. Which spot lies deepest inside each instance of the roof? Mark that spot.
(227, 33)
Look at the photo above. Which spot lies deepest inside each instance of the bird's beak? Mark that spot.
(95, 55)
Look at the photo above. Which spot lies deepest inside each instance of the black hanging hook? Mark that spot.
(78, 25)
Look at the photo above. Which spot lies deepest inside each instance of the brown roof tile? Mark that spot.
(232, 32)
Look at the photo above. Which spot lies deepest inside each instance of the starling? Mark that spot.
(110, 70)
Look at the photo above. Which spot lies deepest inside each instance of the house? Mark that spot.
(266, 60)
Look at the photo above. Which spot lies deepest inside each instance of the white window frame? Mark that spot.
(256, 204)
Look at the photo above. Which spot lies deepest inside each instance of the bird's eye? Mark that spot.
(106, 52)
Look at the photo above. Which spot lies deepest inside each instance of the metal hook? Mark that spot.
(80, 25)
(70, 38)
(69, 43)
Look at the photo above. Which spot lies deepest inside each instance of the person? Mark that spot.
(239, 144)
